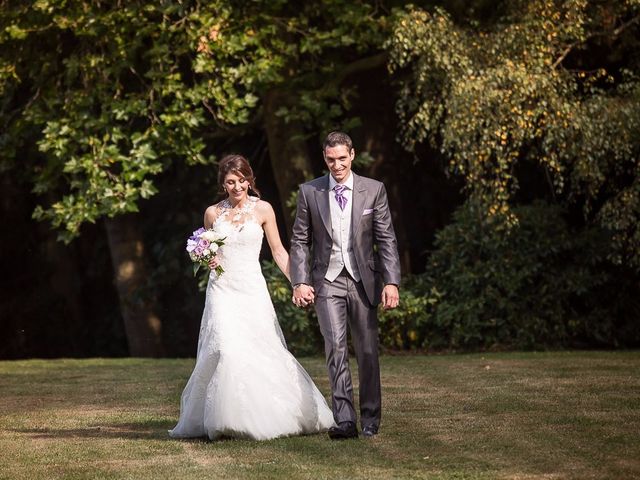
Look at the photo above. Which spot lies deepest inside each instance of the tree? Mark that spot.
(553, 84)
(283, 66)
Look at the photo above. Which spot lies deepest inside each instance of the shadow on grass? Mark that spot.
(148, 430)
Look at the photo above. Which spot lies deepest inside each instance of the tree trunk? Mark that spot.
(377, 136)
(65, 280)
(142, 326)
(288, 153)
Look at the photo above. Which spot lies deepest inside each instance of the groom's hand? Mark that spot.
(303, 295)
(390, 296)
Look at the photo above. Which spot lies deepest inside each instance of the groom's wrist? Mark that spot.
(299, 285)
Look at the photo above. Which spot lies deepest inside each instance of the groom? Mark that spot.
(344, 258)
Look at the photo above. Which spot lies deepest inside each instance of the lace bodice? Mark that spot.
(243, 237)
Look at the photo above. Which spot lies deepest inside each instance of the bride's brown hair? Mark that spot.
(238, 165)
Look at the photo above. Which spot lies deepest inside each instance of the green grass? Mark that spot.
(482, 416)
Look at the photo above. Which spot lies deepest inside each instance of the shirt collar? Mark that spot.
(348, 183)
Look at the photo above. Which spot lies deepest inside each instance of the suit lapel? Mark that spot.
(322, 200)
(358, 198)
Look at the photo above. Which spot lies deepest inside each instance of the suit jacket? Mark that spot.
(371, 226)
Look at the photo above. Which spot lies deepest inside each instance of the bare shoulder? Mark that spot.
(214, 209)
(264, 209)
(211, 213)
(211, 210)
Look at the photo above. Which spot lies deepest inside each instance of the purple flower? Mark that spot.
(191, 244)
(198, 232)
(198, 250)
(202, 243)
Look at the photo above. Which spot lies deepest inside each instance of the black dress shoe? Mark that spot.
(343, 431)
(370, 431)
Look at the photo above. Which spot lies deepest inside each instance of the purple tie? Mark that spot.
(340, 198)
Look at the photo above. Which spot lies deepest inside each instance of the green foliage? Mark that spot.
(299, 326)
(538, 285)
(246, 48)
(529, 90)
(406, 327)
(114, 94)
(108, 97)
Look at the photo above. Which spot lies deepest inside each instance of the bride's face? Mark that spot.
(237, 187)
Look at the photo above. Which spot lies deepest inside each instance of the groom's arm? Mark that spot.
(385, 239)
(300, 253)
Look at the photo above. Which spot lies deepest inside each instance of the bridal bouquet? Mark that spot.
(202, 246)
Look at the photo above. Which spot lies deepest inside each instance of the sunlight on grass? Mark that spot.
(482, 416)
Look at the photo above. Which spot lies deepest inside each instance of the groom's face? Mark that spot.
(338, 160)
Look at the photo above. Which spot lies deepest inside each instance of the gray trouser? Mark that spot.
(338, 303)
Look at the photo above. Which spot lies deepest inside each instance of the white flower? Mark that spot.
(209, 235)
(206, 252)
(213, 248)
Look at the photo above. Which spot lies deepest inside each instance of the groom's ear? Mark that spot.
(352, 153)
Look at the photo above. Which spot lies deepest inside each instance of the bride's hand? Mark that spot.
(303, 295)
(213, 263)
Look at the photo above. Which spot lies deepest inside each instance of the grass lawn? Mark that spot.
(481, 416)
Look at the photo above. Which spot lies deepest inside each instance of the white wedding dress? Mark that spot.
(245, 382)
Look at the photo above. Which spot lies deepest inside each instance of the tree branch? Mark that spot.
(626, 25)
(564, 54)
(361, 65)
(612, 33)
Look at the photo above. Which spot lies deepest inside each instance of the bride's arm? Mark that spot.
(270, 228)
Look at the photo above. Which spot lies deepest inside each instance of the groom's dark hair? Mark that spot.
(337, 138)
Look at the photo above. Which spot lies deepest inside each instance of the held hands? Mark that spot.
(303, 295)
(390, 297)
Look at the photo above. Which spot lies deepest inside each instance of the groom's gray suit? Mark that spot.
(353, 295)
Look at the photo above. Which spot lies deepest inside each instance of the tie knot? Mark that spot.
(340, 198)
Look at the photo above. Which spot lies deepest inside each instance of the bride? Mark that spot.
(245, 383)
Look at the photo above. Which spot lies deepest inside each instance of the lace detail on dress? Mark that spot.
(236, 216)
(243, 239)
